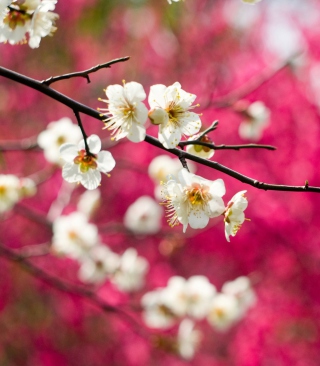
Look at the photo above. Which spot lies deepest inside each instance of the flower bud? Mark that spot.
(158, 116)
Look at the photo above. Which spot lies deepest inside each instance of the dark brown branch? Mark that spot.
(213, 127)
(69, 288)
(74, 105)
(226, 147)
(85, 73)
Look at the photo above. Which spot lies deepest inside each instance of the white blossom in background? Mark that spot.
(156, 313)
(73, 235)
(193, 200)
(234, 215)
(188, 339)
(98, 265)
(83, 168)
(9, 191)
(241, 289)
(256, 119)
(131, 272)
(252, 2)
(43, 22)
(223, 312)
(198, 150)
(89, 202)
(189, 297)
(170, 109)
(163, 166)
(143, 216)
(30, 16)
(56, 134)
(170, 1)
(128, 113)
(28, 187)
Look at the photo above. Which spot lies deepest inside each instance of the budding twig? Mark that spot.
(76, 106)
(85, 73)
(226, 147)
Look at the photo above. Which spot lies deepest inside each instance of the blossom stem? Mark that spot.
(77, 114)
(85, 73)
(213, 127)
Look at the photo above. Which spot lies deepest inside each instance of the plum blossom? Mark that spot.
(73, 235)
(128, 113)
(241, 289)
(30, 16)
(233, 215)
(188, 339)
(193, 200)
(130, 274)
(224, 312)
(163, 166)
(189, 297)
(98, 265)
(13, 189)
(156, 313)
(170, 109)
(255, 119)
(83, 167)
(198, 150)
(56, 134)
(89, 202)
(143, 216)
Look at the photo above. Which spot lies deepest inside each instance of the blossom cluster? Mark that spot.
(193, 300)
(33, 17)
(75, 237)
(13, 189)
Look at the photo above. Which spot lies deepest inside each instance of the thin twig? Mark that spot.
(77, 114)
(85, 73)
(213, 127)
(226, 147)
(74, 105)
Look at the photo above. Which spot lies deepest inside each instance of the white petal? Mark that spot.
(156, 96)
(217, 187)
(137, 133)
(105, 161)
(91, 179)
(70, 173)
(115, 92)
(198, 219)
(141, 113)
(190, 123)
(134, 92)
(169, 136)
(94, 144)
(215, 207)
(68, 152)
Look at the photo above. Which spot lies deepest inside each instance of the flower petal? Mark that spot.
(137, 133)
(94, 144)
(115, 92)
(105, 161)
(217, 187)
(91, 179)
(169, 135)
(141, 113)
(156, 96)
(68, 152)
(198, 219)
(190, 123)
(134, 92)
(70, 173)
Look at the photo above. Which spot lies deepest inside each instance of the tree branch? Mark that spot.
(74, 105)
(85, 73)
(226, 147)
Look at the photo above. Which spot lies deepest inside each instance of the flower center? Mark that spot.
(199, 148)
(175, 113)
(16, 18)
(3, 190)
(198, 194)
(85, 161)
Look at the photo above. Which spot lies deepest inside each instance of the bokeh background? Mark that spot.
(213, 48)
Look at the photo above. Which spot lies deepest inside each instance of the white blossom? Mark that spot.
(89, 202)
(73, 235)
(224, 312)
(188, 339)
(130, 275)
(189, 297)
(234, 215)
(170, 1)
(156, 313)
(256, 119)
(9, 191)
(128, 113)
(98, 265)
(29, 16)
(28, 187)
(56, 134)
(163, 166)
(82, 167)
(241, 289)
(198, 150)
(170, 109)
(193, 200)
(143, 216)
